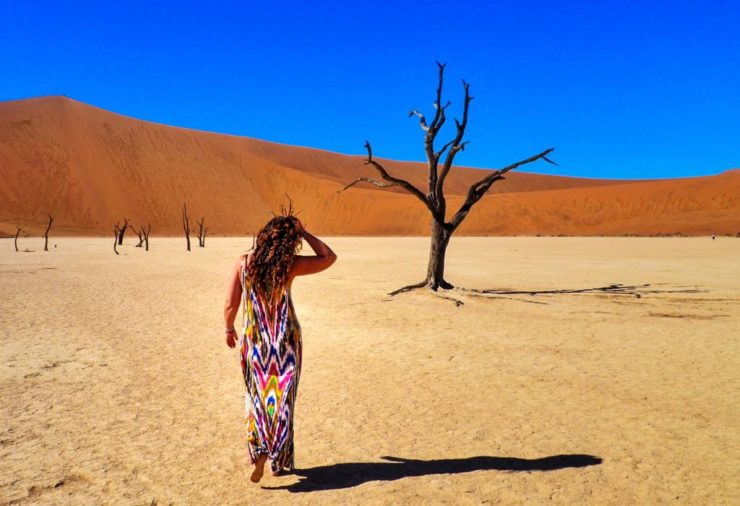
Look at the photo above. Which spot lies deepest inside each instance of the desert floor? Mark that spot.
(117, 386)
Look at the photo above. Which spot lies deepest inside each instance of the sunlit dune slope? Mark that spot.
(90, 168)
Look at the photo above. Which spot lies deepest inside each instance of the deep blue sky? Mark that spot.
(620, 89)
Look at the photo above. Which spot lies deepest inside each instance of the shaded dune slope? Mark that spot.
(90, 167)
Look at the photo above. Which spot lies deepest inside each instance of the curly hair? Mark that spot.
(277, 245)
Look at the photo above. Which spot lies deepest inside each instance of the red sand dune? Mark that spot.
(90, 168)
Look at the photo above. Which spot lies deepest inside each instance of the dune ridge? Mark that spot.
(90, 167)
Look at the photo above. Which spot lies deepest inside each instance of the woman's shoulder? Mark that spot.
(242, 262)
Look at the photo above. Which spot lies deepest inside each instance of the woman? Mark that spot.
(270, 343)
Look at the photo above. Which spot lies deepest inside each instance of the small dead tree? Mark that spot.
(17, 233)
(145, 232)
(440, 162)
(140, 234)
(186, 224)
(116, 232)
(202, 231)
(122, 230)
(46, 233)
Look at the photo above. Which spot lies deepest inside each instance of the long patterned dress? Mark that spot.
(271, 362)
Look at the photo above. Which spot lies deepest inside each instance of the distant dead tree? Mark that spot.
(17, 233)
(186, 224)
(202, 231)
(145, 232)
(440, 163)
(122, 230)
(46, 233)
(140, 234)
(116, 231)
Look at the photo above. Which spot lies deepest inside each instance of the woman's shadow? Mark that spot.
(351, 474)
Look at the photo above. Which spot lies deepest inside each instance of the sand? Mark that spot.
(90, 168)
(117, 386)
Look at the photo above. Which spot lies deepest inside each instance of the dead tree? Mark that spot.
(440, 162)
(17, 233)
(145, 232)
(122, 230)
(202, 231)
(46, 233)
(140, 234)
(186, 224)
(116, 231)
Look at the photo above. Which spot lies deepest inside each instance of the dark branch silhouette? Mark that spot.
(186, 224)
(122, 230)
(140, 235)
(145, 232)
(352, 474)
(17, 233)
(202, 231)
(434, 199)
(46, 233)
(116, 232)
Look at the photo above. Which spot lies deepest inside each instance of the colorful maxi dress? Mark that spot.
(271, 362)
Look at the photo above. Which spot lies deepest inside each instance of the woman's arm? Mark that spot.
(304, 265)
(233, 299)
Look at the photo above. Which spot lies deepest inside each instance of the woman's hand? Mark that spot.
(301, 228)
(303, 265)
(231, 338)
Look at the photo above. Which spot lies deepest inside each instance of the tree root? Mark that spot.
(408, 288)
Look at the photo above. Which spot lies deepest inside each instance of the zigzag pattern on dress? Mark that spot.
(270, 359)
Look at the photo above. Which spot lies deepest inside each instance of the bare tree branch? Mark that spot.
(455, 145)
(367, 180)
(422, 119)
(203, 230)
(478, 189)
(439, 153)
(437, 122)
(398, 181)
(439, 109)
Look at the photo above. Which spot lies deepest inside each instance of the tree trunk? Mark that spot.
(16, 237)
(145, 231)
(202, 231)
(122, 231)
(46, 234)
(186, 224)
(436, 268)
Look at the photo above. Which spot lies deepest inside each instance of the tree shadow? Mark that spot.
(352, 474)
(616, 289)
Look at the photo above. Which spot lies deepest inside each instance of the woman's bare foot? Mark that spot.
(259, 469)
